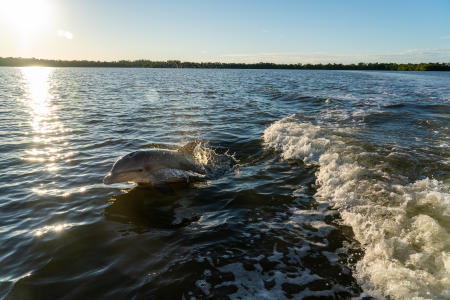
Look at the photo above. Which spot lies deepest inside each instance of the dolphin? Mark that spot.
(155, 166)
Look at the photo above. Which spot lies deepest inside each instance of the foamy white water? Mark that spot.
(401, 225)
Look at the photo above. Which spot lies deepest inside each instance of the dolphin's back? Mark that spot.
(170, 159)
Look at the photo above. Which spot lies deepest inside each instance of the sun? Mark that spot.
(25, 17)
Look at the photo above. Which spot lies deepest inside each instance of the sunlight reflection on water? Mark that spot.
(46, 128)
(48, 131)
(54, 228)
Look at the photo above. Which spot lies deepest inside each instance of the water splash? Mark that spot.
(214, 163)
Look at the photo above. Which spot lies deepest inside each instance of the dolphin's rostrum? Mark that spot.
(155, 166)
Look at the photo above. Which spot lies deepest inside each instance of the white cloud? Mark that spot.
(64, 34)
(445, 37)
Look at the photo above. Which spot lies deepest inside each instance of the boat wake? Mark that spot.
(401, 222)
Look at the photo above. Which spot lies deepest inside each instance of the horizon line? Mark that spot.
(214, 62)
(145, 63)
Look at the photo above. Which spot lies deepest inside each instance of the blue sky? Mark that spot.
(228, 31)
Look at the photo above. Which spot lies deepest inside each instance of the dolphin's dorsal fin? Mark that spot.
(189, 147)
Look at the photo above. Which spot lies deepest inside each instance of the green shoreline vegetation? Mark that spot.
(141, 63)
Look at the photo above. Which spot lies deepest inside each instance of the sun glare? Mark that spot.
(25, 17)
(48, 131)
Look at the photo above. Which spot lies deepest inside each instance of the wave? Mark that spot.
(402, 224)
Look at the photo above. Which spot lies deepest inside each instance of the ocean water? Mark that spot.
(326, 184)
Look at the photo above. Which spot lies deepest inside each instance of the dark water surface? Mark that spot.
(340, 186)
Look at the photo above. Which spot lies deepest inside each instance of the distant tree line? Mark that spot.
(142, 63)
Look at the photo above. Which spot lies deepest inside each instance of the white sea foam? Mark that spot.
(250, 284)
(215, 164)
(402, 226)
(204, 286)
